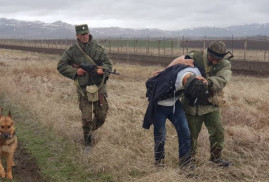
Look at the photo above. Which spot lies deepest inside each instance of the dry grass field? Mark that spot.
(122, 147)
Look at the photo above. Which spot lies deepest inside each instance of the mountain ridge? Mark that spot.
(17, 29)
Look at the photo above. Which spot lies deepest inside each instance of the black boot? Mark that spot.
(222, 163)
(159, 163)
(88, 140)
(187, 163)
(216, 157)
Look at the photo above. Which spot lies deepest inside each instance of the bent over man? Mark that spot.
(91, 83)
(163, 93)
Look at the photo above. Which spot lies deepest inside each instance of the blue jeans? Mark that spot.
(178, 119)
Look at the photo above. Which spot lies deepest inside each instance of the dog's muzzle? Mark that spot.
(5, 135)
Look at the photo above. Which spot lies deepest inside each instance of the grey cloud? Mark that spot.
(164, 14)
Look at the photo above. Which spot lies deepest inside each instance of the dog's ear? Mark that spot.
(9, 114)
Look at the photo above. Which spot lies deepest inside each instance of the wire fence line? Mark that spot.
(242, 49)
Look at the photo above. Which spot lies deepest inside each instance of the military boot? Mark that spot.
(222, 163)
(159, 163)
(88, 140)
(216, 158)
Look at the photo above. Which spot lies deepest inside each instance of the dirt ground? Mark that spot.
(26, 169)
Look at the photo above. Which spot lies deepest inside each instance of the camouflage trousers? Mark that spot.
(215, 129)
(93, 114)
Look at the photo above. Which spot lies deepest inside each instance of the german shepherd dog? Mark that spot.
(8, 143)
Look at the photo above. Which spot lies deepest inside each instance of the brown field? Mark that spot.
(122, 147)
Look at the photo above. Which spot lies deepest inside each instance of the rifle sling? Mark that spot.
(87, 56)
(207, 68)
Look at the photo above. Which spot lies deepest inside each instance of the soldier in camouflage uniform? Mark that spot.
(217, 74)
(87, 51)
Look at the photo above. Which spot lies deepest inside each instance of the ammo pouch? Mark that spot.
(92, 93)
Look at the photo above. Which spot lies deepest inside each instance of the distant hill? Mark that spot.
(11, 28)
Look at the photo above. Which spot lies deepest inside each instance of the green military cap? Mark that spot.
(82, 29)
(217, 49)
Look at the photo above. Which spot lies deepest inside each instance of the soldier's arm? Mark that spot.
(218, 82)
(178, 60)
(182, 60)
(64, 65)
(106, 60)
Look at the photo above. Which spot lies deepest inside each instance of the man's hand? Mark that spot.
(156, 72)
(81, 72)
(100, 71)
(182, 60)
(203, 79)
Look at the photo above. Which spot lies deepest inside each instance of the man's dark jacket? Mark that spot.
(158, 88)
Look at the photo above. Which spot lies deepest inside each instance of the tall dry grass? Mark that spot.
(122, 148)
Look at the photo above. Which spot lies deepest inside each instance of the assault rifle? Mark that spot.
(231, 55)
(90, 68)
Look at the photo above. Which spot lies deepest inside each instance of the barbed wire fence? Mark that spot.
(243, 49)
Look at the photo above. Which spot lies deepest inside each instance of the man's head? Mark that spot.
(82, 32)
(195, 89)
(216, 51)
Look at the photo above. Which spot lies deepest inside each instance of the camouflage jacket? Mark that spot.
(217, 75)
(73, 56)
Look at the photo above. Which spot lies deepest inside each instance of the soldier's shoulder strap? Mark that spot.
(206, 67)
(87, 56)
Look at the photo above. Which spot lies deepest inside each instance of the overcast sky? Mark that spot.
(161, 14)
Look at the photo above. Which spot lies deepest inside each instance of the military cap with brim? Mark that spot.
(217, 49)
(82, 29)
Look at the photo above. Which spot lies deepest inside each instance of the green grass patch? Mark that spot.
(57, 158)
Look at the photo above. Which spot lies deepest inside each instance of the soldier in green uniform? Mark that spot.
(217, 73)
(91, 85)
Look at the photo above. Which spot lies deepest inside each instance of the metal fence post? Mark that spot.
(172, 47)
(232, 44)
(118, 46)
(245, 48)
(136, 46)
(127, 46)
(109, 45)
(183, 44)
(163, 45)
(187, 46)
(159, 43)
